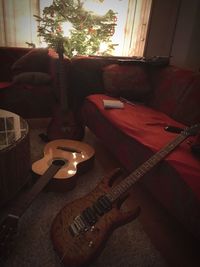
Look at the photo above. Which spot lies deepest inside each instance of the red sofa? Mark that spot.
(161, 96)
(29, 81)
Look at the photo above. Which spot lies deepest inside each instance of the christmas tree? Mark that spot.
(88, 30)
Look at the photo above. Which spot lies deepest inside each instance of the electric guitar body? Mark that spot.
(80, 230)
(82, 249)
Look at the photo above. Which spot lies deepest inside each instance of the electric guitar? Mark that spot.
(81, 229)
(59, 168)
(65, 122)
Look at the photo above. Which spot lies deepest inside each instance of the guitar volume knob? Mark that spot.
(90, 244)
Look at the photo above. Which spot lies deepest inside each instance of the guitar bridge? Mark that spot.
(68, 149)
(78, 226)
(89, 216)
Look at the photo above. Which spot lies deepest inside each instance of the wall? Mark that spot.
(174, 31)
(186, 45)
(162, 24)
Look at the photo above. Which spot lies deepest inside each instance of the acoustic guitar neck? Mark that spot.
(25, 200)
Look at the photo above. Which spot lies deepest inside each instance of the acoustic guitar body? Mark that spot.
(58, 169)
(81, 250)
(77, 158)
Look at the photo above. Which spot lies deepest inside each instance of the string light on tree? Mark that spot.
(82, 30)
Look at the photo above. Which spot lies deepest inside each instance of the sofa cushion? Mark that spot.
(128, 81)
(35, 60)
(188, 106)
(171, 85)
(34, 78)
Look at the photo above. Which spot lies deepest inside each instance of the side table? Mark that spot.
(14, 154)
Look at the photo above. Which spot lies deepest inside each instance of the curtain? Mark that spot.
(136, 27)
(17, 24)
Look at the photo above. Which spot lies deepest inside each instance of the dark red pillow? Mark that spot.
(34, 78)
(128, 81)
(37, 60)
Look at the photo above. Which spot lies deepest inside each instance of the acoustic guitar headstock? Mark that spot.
(8, 229)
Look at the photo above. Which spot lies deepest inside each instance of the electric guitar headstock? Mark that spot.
(191, 131)
(8, 230)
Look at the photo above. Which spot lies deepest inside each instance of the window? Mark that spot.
(132, 24)
(136, 28)
(19, 27)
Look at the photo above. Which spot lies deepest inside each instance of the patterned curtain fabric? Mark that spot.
(17, 24)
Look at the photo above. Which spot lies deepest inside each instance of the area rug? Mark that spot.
(128, 246)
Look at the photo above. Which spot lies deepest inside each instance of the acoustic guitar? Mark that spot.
(59, 168)
(75, 157)
(81, 229)
(65, 122)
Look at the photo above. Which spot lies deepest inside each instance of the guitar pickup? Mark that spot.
(102, 205)
(90, 216)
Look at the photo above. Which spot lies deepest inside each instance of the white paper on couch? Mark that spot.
(112, 104)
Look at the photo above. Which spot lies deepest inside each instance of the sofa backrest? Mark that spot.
(176, 92)
(85, 77)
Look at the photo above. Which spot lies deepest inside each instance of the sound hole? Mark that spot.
(58, 162)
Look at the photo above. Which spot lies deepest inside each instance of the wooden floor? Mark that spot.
(178, 248)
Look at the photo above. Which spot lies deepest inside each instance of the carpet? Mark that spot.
(128, 246)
